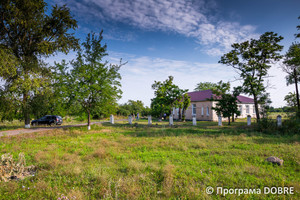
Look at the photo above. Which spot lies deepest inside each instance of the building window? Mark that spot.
(202, 111)
(241, 109)
(247, 109)
(194, 109)
(254, 109)
(177, 110)
(207, 111)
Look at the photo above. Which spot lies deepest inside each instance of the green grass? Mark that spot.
(124, 161)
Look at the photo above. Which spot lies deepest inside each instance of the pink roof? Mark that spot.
(243, 99)
(207, 94)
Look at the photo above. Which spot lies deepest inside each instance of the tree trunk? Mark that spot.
(233, 117)
(89, 119)
(160, 116)
(256, 108)
(297, 91)
(179, 114)
(183, 114)
(26, 111)
(228, 120)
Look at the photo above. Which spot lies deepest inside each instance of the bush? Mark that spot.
(267, 125)
(289, 126)
(82, 117)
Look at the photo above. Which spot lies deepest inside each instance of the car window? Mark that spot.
(43, 118)
(49, 117)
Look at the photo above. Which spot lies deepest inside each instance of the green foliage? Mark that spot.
(205, 86)
(94, 83)
(186, 102)
(56, 99)
(10, 108)
(227, 103)
(264, 101)
(252, 60)
(132, 107)
(292, 68)
(146, 111)
(8, 62)
(167, 96)
(291, 99)
(123, 110)
(289, 126)
(282, 109)
(28, 33)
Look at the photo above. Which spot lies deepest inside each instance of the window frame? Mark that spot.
(194, 109)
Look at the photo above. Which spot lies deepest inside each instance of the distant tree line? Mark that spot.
(132, 108)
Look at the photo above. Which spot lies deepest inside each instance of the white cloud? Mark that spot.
(141, 72)
(189, 18)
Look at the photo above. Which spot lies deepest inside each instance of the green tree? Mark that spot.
(158, 107)
(205, 86)
(167, 96)
(56, 99)
(146, 111)
(136, 106)
(28, 34)
(8, 63)
(226, 103)
(95, 83)
(264, 101)
(186, 102)
(252, 60)
(10, 108)
(291, 99)
(123, 110)
(131, 107)
(62, 101)
(292, 68)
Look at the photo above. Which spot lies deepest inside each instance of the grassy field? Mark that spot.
(124, 161)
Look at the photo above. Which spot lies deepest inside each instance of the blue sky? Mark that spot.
(182, 38)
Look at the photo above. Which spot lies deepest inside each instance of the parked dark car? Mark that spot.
(48, 120)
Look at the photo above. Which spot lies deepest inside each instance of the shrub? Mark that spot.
(289, 126)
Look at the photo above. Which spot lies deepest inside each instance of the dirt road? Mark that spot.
(39, 129)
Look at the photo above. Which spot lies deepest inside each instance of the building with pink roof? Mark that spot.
(201, 106)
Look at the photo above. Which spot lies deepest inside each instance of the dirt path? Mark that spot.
(39, 129)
